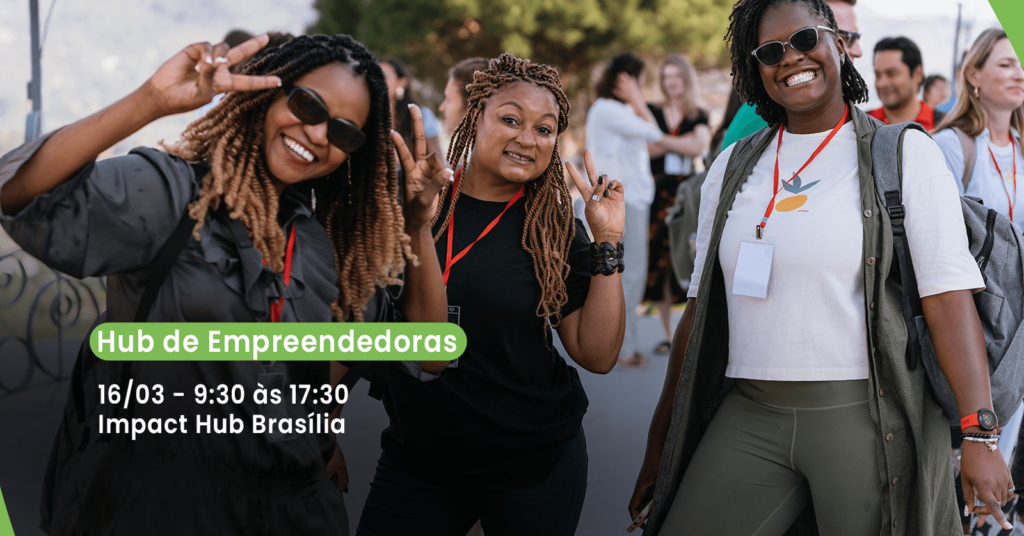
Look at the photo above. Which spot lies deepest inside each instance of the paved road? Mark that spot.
(621, 404)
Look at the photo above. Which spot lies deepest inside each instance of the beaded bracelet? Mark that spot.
(980, 437)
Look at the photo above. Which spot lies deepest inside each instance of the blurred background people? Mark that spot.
(680, 115)
(456, 97)
(400, 93)
(899, 73)
(935, 90)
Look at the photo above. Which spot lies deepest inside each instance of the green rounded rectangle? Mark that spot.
(251, 341)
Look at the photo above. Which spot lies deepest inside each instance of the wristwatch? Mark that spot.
(985, 419)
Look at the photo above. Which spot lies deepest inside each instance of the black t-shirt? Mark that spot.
(498, 420)
(658, 164)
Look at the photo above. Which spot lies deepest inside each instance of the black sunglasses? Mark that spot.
(309, 108)
(850, 37)
(803, 41)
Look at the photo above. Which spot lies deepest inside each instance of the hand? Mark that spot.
(627, 89)
(647, 478)
(337, 470)
(425, 174)
(195, 75)
(984, 474)
(607, 213)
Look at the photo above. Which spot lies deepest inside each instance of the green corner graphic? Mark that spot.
(5, 520)
(1011, 16)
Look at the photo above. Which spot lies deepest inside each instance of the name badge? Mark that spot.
(454, 311)
(753, 267)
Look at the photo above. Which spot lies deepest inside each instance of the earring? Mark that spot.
(400, 93)
(348, 168)
(977, 92)
(312, 195)
(842, 60)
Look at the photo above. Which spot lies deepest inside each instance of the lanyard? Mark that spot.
(775, 188)
(1013, 156)
(449, 260)
(275, 307)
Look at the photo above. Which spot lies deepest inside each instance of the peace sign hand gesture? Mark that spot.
(192, 77)
(425, 174)
(606, 202)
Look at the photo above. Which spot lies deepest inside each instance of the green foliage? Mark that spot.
(572, 35)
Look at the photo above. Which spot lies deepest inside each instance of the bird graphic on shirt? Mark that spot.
(794, 186)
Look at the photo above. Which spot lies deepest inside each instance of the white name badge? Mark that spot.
(753, 267)
(676, 164)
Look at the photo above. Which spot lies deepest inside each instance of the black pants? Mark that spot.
(401, 503)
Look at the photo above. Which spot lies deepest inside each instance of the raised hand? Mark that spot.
(425, 174)
(192, 77)
(606, 202)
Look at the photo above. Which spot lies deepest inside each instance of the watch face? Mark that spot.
(987, 419)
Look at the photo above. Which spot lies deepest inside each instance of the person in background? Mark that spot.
(935, 90)
(679, 115)
(400, 93)
(456, 97)
(748, 122)
(898, 77)
(987, 120)
(619, 129)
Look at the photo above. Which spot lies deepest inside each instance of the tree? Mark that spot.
(571, 35)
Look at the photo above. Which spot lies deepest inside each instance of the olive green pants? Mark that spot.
(772, 449)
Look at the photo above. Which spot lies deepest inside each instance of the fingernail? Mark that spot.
(279, 82)
(411, 105)
(209, 60)
(221, 60)
(606, 193)
(1007, 525)
(197, 67)
(600, 180)
(967, 510)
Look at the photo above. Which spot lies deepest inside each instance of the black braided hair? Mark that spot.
(746, 76)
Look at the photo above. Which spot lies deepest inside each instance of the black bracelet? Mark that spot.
(606, 259)
(976, 435)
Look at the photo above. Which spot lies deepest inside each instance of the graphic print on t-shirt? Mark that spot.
(794, 186)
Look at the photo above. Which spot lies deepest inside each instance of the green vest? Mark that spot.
(913, 442)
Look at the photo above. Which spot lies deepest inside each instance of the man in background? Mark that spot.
(899, 74)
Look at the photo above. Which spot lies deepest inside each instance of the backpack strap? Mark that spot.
(970, 155)
(887, 169)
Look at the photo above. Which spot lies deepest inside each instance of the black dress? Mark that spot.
(659, 260)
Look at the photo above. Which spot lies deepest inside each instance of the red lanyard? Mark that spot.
(449, 260)
(1013, 156)
(275, 307)
(775, 188)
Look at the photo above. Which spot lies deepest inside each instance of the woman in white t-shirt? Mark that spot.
(986, 121)
(788, 384)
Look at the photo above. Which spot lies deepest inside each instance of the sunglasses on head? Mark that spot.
(309, 108)
(803, 41)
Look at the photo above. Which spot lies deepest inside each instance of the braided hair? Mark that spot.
(357, 208)
(746, 76)
(550, 224)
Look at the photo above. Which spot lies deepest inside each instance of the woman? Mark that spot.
(620, 128)
(793, 387)
(400, 96)
(498, 436)
(456, 98)
(679, 115)
(310, 115)
(986, 121)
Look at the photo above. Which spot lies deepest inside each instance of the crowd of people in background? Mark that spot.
(649, 194)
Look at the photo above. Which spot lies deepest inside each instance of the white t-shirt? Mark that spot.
(812, 325)
(986, 184)
(617, 139)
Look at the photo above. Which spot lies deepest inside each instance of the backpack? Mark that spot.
(970, 153)
(1000, 306)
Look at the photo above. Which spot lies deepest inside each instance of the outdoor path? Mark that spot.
(621, 404)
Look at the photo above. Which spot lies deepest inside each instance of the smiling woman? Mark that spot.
(498, 437)
(225, 228)
(787, 382)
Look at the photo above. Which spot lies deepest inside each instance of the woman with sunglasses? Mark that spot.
(788, 384)
(287, 195)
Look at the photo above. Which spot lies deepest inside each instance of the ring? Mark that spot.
(595, 198)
